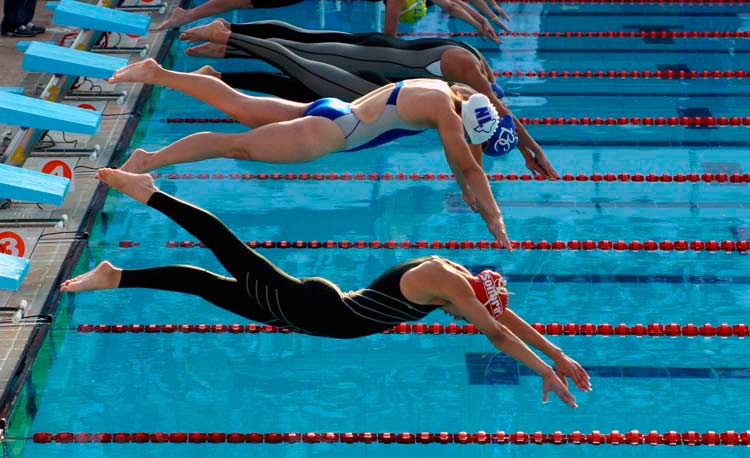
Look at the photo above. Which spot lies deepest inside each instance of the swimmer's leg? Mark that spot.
(321, 78)
(271, 83)
(250, 111)
(224, 292)
(181, 16)
(285, 31)
(232, 252)
(301, 140)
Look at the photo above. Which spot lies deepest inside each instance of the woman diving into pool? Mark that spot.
(291, 132)
(408, 11)
(261, 291)
(370, 60)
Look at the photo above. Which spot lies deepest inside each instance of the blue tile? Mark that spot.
(691, 372)
(501, 369)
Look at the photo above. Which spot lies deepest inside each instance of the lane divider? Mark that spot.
(640, 2)
(724, 330)
(728, 246)
(633, 437)
(684, 121)
(735, 178)
(605, 34)
(663, 74)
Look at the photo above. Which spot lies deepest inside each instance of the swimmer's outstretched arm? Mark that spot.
(481, 5)
(468, 173)
(564, 365)
(392, 14)
(250, 111)
(437, 280)
(458, 9)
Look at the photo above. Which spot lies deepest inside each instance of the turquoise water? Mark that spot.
(282, 383)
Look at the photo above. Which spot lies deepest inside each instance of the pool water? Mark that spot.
(275, 382)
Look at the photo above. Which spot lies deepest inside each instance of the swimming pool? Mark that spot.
(271, 382)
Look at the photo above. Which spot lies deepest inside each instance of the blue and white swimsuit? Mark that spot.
(388, 127)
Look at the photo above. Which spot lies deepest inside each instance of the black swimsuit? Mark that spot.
(324, 63)
(262, 292)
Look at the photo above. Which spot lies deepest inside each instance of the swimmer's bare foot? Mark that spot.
(179, 17)
(139, 186)
(215, 32)
(208, 71)
(137, 162)
(207, 50)
(144, 71)
(105, 276)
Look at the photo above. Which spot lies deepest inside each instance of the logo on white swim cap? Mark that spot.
(504, 139)
(479, 117)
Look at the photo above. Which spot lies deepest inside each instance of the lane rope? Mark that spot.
(724, 330)
(728, 246)
(641, 2)
(633, 437)
(734, 178)
(672, 121)
(659, 74)
(654, 34)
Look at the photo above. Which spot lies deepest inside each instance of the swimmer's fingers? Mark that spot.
(502, 24)
(503, 14)
(497, 228)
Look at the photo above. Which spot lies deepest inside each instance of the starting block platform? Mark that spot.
(87, 16)
(17, 183)
(46, 58)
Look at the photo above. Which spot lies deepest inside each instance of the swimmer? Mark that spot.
(396, 11)
(363, 61)
(291, 132)
(258, 290)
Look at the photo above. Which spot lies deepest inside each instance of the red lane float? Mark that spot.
(662, 121)
(595, 34)
(632, 437)
(658, 74)
(723, 330)
(722, 178)
(726, 246)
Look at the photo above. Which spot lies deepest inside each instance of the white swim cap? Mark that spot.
(479, 117)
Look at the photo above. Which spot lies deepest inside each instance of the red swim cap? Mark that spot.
(489, 287)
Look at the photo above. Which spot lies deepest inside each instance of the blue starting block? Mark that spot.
(12, 89)
(41, 57)
(19, 110)
(23, 45)
(17, 183)
(12, 271)
(86, 16)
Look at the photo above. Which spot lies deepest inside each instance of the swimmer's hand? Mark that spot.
(552, 383)
(498, 230)
(487, 31)
(537, 161)
(566, 366)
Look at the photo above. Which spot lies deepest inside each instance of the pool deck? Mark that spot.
(48, 256)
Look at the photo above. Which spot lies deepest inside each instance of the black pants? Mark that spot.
(17, 13)
(238, 294)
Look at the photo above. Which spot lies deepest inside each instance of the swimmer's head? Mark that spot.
(489, 288)
(413, 11)
(480, 118)
(504, 139)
